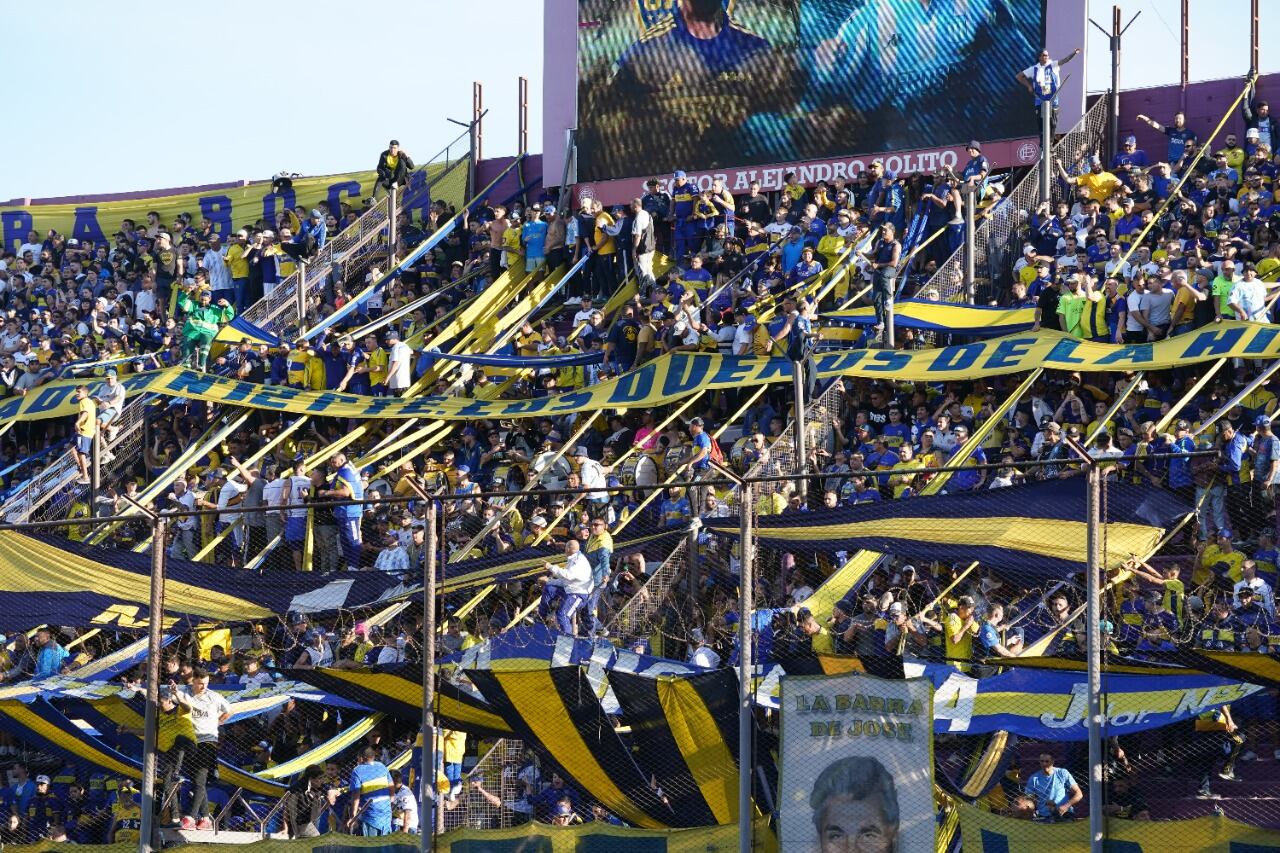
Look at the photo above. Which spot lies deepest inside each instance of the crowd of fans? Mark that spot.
(744, 271)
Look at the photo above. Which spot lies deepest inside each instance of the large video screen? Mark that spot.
(702, 84)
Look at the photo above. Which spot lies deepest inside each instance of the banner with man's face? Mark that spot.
(857, 765)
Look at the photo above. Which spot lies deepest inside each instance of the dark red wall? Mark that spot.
(1206, 102)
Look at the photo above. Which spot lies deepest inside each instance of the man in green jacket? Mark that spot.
(203, 321)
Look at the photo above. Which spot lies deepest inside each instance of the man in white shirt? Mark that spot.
(229, 494)
(184, 545)
(216, 266)
(592, 475)
(572, 581)
(393, 557)
(208, 712)
(144, 301)
(1248, 297)
(404, 806)
(702, 655)
(297, 488)
(33, 245)
(399, 363)
(1261, 589)
(583, 314)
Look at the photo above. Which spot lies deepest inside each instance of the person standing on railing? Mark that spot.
(86, 426)
(1043, 80)
(202, 324)
(643, 244)
(208, 712)
(885, 256)
(394, 166)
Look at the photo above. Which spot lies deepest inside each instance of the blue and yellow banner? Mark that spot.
(55, 581)
(228, 206)
(984, 832)
(1033, 532)
(676, 375)
(1052, 705)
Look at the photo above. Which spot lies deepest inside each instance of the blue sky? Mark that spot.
(146, 99)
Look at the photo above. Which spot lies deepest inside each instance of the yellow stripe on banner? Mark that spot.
(702, 746)
(989, 763)
(39, 567)
(1053, 538)
(543, 711)
(1265, 667)
(24, 716)
(947, 315)
(408, 693)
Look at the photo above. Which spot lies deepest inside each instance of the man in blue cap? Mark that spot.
(1129, 155)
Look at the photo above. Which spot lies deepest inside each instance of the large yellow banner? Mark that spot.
(228, 207)
(676, 375)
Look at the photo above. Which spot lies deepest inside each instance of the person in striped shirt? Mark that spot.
(370, 786)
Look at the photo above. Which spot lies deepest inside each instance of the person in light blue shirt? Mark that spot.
(51, 656)
(1053, 789)
(370, 787)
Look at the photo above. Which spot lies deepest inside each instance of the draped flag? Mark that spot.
(59, 582)
(1033, 532)
(686, 728)
(45, 725)
(397, 692)
(675, 375)
(558, 710)
(928, 316)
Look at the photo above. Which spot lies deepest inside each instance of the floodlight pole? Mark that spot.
(746, 584)
(155, 635)
(1093, 616)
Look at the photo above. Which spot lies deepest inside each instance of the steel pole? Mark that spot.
(1093, 615)
(155, 632)
(1046, 149)
(746, 585)
(1185, 73)
(970, 243)
(300, 296)
(428, 679)
(797, 388)
(392, 226)
(95, 469)
(1115, 80)
(475, 135)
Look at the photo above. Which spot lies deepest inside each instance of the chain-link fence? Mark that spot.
(976, 580)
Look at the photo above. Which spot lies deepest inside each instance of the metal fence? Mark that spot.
(1157, 610)
(996, 240)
